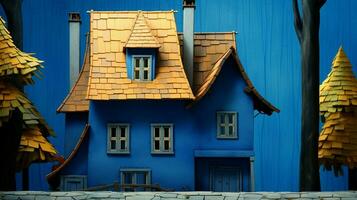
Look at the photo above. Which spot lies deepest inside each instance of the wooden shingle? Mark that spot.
(339, 89)
(15, 62)
(136, 29)
(338, 107)
(76, 99)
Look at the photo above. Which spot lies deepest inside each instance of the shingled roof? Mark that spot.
(259, 103)
(76, 99)
(110, 32)
(141, 35)
(108, 80)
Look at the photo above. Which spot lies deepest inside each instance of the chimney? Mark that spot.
(74, 20)
(188, 48)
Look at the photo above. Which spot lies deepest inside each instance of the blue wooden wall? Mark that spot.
(267, 46)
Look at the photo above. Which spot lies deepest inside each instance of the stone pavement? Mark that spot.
(33, 195)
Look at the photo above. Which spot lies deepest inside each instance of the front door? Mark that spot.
(226, 179)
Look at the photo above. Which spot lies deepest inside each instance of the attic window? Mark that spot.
(142, 67)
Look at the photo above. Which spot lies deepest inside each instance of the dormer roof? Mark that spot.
(141, 35)
(108, 78)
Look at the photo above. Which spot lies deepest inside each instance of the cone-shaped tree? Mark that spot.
(338, 107)
(23, 130)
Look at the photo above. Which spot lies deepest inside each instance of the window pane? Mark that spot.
(157, 132)
(166, 132)
(166, 145)
(230, 118)
(112, 144)
(230, 132)
(146, 74)
(146, 62)
(157, 145)
(128, 178)
(122, 144)
(141, 177)
(122, 131)
(113, 132)
(222, 130)
(221, 118)
(137, 74)
(137, 62)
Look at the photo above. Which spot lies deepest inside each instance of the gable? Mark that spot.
(260, 104)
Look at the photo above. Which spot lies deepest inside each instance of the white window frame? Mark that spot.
(226, 125)
(134, 172)
(162, 138)
(141, 67)
(118, 138)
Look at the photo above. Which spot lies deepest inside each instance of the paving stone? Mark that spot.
(231, 198)
(64, 198)
(214, 197)
(345, 194)
(290, 195)
(10, 197)
(331, 198)
(167, 195)
(140, 197)
(180, 196)
(58, 194)
(117, 195)
(27, 197)
(82, 197)
(98, 195)
(195, 198)
(271, 195)
(42, 197)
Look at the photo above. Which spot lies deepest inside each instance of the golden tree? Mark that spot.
(338, 109)
(22, 128)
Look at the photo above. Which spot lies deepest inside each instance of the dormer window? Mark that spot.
(142, 67)
(141, 48)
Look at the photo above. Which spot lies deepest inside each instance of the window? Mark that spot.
(141, 67)
(135, 177)
(227, 125)
(118, 138)
(162, 138)
(73, 183)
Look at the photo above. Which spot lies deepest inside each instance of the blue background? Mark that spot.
(267, 46)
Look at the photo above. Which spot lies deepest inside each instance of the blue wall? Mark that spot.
(267, 46)
(194, 129)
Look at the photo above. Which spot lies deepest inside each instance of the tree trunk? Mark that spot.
(11, 131)
(9, 143)
(307, 30)
(13, 13)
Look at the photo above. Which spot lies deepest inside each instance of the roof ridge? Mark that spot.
(151, 41)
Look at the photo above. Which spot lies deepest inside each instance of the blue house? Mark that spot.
(154, 106)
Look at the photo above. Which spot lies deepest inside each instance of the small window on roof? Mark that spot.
(142, 67)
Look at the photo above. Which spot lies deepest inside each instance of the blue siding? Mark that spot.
(267, 46)
(194, 129)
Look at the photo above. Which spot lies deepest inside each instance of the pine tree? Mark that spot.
(23, 130)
